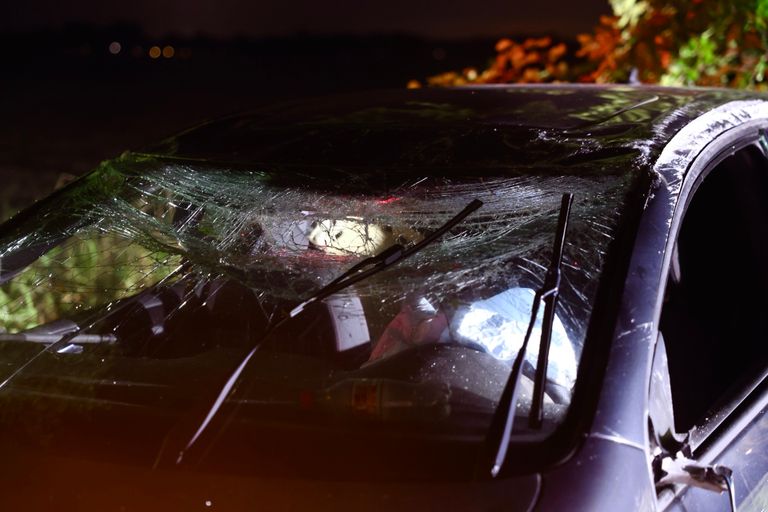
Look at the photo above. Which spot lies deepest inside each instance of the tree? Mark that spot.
(671, 42)
(682, 42)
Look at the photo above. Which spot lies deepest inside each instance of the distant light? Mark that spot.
(471, 74)
(154, 52)
(115, 47)
(413, 84)
(168, 52)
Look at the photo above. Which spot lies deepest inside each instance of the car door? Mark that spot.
(709, 388)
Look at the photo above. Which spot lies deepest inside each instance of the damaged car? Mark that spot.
(503, 297)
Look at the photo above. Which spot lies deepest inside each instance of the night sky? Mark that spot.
(223, 18)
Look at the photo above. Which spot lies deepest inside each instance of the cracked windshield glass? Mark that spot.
(163, 287)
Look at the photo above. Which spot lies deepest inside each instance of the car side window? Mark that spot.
(715, 314)
(712, 350)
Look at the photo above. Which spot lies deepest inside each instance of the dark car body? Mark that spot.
(682, 172)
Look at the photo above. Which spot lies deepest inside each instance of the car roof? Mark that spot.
(562, 128)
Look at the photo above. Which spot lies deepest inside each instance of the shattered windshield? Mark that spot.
(137, 292)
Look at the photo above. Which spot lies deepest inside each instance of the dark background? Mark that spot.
(69, 102)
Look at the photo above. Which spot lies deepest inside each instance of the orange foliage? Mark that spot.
(601, 47)
(535, 60)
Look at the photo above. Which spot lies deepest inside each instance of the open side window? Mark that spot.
(715, 315)
(714, 322)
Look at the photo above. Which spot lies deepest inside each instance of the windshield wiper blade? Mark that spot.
(384, 260)
(375, 264)
(500, 431)
(551, 292)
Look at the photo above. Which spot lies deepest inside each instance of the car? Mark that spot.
(479, 298)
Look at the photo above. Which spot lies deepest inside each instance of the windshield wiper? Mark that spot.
(362, 270)
(500, 431)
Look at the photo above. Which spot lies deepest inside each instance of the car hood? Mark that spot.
(97, 486)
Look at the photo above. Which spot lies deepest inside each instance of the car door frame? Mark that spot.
(622, 406)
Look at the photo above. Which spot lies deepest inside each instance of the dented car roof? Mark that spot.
(561, 128)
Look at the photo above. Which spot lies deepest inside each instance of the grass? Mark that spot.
(85, 272)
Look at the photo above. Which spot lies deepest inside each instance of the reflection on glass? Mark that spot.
(86, 271)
